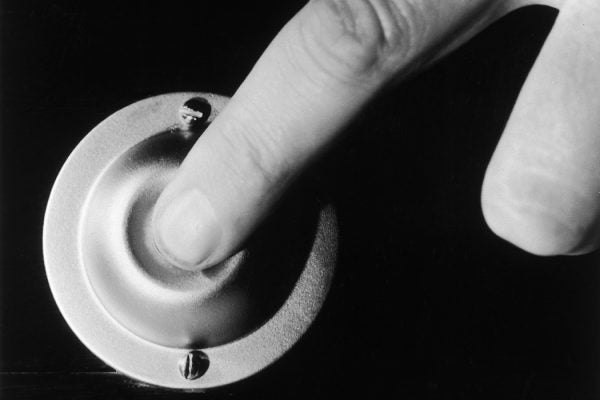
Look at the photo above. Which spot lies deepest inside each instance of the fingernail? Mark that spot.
(186, 231)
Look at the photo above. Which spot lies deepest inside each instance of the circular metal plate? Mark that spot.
(66, 256)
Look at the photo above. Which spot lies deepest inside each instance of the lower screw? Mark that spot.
(193, 365)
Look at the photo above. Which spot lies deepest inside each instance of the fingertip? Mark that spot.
(186, 230)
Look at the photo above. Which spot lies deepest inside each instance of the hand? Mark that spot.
(542, 187)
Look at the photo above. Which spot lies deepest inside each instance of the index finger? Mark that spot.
(315, 76)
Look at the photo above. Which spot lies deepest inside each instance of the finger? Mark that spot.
(542, 187)
(325, 64)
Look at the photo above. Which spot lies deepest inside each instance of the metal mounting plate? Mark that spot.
(88, 317)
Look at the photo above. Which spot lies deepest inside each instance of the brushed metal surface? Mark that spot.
(140, 314)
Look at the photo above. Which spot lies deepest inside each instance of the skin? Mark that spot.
(541, 187)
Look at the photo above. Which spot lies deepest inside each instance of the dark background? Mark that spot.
(427, 303)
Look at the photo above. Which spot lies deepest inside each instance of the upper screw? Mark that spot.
(194, 112)
(193, 365)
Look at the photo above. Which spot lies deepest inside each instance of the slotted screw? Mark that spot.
(194, 112)
(193, 365)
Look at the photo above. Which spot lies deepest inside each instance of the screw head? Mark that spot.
(193, 365)
(194, 112)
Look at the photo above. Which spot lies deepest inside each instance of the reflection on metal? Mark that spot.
(141, 315)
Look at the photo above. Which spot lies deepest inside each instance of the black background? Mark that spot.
(427, 303)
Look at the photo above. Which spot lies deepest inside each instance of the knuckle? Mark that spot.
(363, 38)
(538, 216)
